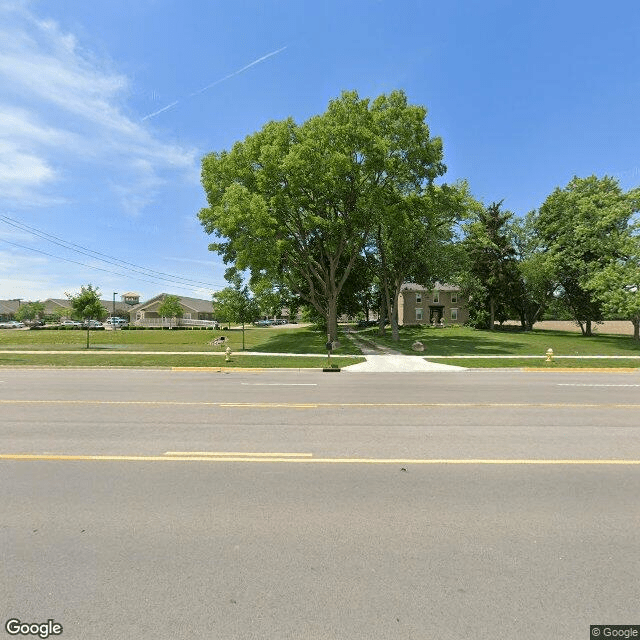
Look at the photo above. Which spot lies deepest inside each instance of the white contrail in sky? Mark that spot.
(213, 84)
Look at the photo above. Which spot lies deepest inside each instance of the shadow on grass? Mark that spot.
(451, 341)
(444, 343)
(302, 341)
(613, 341)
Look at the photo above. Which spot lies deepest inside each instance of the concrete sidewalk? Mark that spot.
(398, 364)
(384, 359)
(374, 363)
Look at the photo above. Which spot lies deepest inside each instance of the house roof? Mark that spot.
(57, 304)
(65, 303)
(8, 306)
(188, 304)
(438, 286)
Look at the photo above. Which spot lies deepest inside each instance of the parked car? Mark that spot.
(91, 324)
(280, 321)
(369, 323)
(71, 323)
(11, 324)
(114, 321)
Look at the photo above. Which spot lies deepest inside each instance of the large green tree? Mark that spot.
(582, 229)
(298, 203)
(414, 240)
(491, 260)
(617, 285)
(534, 288)
(86, 305)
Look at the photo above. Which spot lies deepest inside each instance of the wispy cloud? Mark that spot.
(213, 84)
(61, 108)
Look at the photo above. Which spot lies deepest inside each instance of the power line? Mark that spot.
(88, 266)
(96, 254)
(122, 264)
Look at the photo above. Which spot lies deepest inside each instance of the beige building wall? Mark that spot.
(418, 306)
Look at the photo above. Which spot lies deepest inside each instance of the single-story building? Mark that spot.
(146, 313)
(57, 308)
(441, 304)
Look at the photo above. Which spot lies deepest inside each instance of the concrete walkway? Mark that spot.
(384, 359)
(398, 364)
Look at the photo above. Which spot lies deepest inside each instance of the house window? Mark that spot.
(418, 297)
(418, 315)
(454, 297)
(454, 314)
(436, 296)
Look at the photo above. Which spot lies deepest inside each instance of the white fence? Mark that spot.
(175, 322)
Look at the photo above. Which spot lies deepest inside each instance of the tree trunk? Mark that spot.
(636, 328)
(382, 313)
(385, 289)
(588, 329)
(332, 318)
(393, 316)
(492, 313)
(395, 331)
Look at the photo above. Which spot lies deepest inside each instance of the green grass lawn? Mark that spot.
(263, 339)
(110, 348)
(540, 363)
(105, 359)
(464, 341)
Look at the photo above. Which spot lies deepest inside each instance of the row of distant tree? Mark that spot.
(579, 254)
(338, 212)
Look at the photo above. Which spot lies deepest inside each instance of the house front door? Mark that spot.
(435, 314)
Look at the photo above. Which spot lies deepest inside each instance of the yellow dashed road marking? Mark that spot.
(237, 454)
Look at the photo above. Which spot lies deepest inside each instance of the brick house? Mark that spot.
(423, 305)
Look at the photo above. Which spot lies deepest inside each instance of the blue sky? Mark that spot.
(106, 109)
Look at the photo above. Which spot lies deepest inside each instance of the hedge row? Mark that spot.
(55, 327)
(135, 328)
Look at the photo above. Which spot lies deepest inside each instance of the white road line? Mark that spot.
(599, 385)
(279, 384)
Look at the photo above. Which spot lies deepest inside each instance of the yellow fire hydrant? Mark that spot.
(227, 354)
(549, 355)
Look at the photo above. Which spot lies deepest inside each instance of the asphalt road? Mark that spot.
(478, 504)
